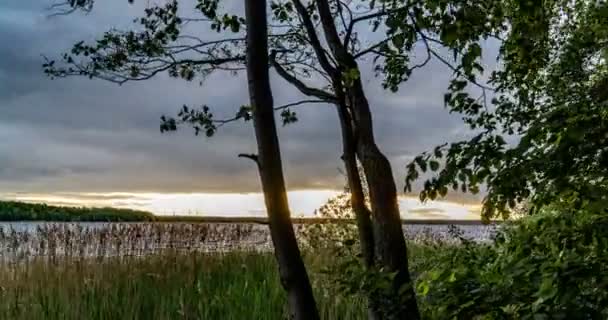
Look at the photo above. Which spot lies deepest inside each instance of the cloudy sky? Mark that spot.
(88, 139)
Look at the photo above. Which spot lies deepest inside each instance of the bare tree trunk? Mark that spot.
(357, 196)
(390, 247)
(294, 277)
(357, 199)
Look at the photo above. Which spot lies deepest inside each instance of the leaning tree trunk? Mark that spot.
(294, 277)
(357, 195)
(357, 199)
(390, 246)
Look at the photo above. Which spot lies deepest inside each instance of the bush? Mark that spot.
(550, 266)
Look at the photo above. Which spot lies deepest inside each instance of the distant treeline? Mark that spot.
(310, 220)
(22, 211)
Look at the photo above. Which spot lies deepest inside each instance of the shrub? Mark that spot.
(550, 266)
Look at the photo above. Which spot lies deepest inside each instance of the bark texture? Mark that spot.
(357, 199)
(294, 277)
(357, 195)
(390, 248)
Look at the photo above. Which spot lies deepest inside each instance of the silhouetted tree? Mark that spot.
(299, 56)
(291, 267)
(293, 274)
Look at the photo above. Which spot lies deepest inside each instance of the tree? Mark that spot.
(294, 277)
(550, 100)
(299, 56)
(291, 267)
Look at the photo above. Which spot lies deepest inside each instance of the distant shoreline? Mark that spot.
(253, 220)
(14, 211)
(310, 220)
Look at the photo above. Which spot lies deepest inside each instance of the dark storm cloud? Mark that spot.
(86, 135)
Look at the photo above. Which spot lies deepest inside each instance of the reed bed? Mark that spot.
(165, 271)
(127, 239)
(100, 240)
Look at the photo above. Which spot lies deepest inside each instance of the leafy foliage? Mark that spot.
(439, 26)
(163, 42)
(549, 97)
(548, 266)
(335, 236)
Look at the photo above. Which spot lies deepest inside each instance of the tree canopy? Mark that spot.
(543, 137)
(192, 43)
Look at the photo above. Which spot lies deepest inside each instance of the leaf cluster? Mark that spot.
(544, 137)
(548, 266)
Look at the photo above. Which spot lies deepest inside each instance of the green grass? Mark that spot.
(165, 286)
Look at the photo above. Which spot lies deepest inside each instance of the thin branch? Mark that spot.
(426, 40)
(186, 20)
(341, 13)
(331, 34)
(371, 48)
(221, 122)
(69, 6)
(374, 15)
(423, 63)
(323, 95)
(312, 37)
(120, 78)
(252, 157)
(471, 80)
(293, 104)
(202, 43)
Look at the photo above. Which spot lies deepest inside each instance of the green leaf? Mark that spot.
(421, 163)
(434, 165)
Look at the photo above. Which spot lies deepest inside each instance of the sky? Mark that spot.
(89, 142)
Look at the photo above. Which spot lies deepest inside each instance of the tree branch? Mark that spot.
(252, 157)
(371, 48)
(323, 95)
(298, 103)
(354, 21)
(312, 37)
(340, 5)
(331, 34)
(449, 65)
(122, 76)
(426, 40)
(69, 6)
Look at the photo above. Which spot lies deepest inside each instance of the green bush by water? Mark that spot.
(550, 266)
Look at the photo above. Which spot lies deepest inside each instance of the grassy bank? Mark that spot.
(550, 266)
(164, 286)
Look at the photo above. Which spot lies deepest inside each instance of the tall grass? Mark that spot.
(54, 240)
(170, 285)
(164, 271)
